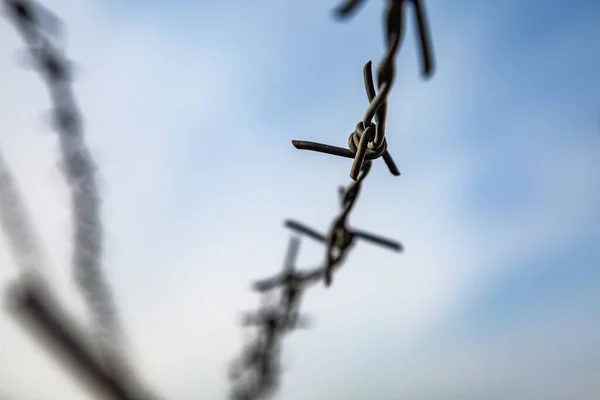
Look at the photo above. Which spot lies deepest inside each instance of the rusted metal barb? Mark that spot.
(340, 238)
(368, 141)
(362, 142)
(292, 281)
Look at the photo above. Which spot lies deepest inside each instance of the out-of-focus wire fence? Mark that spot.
(99, 358)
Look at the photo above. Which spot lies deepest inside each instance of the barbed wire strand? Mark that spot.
(80, 173)
(79, 169)
(31, 301)
(23, 240)
(30, 297)
(366, 143)
(256, 373)
(104, 364)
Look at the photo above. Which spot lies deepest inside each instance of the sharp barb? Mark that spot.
(323, 148)
(389, 161)
(389, 243)
(426, 48)
(292, 254)
(303, 229)
(347, 8)
(266, 285)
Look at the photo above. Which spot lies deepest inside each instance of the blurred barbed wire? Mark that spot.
(255, 374)
(42, 32)
(367, 141)
(78, 167)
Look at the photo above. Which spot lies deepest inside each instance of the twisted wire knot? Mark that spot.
(372, 151)
(362, 144)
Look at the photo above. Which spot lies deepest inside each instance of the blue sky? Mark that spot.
(190, 109)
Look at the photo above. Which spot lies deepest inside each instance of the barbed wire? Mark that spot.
(32, 301)
(103, 359)
(367, 143)
(78, 168)
(255, 374)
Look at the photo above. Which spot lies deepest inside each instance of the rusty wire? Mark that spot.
(365, 144)
(368, 141)
(255, 374)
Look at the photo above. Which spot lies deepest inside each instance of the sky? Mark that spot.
(190, 109)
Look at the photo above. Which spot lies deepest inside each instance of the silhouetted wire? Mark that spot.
(365, 144)
(31, 300)
(79, 169)
(16, 224)
(80, 172)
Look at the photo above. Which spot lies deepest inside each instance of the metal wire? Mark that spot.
(41, 31)
(365, 144)
(79, 170)
(368, 142)
(255, 374)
